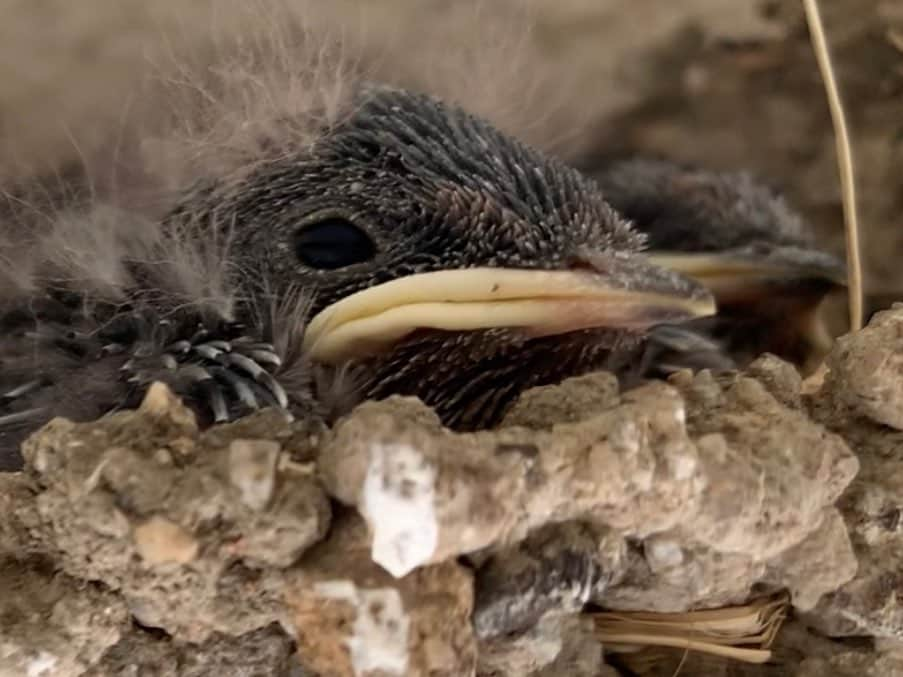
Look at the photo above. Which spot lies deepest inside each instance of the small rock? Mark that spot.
(297, 517)
(580, 654)
(632, 467)
(702, 577)
(130, 473)
(263, 652)
(567, 402)
(872, 506)
(771, 470)
(555, 646)
(252, 470)
(354, 620)
(113, 508)
(852, 664)
(821, 564)
(426, 493)
(160, 401)
(399, 497)
(159, 541)
(52, 625)
(19, 524)
(779, 378)
(866, 369)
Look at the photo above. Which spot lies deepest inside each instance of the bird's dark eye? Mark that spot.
(332, 243)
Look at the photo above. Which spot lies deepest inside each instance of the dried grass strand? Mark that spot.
(743, 633)
(844, 161)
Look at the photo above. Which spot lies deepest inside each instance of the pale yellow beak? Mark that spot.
(537, 302)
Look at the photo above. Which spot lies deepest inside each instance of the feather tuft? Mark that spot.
(266, 81)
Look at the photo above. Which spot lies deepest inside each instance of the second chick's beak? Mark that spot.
(753, 275)
(771, 295)
(615, 292)
(738, 237)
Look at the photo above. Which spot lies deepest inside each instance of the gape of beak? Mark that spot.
(619, 292)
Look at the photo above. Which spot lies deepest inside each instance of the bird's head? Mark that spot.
(445, 259)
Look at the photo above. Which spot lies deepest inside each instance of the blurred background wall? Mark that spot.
(723, 83)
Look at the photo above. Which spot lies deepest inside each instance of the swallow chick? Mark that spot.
(741, 240)
(408, 241)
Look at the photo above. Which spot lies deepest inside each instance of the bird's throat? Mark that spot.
(472, 379)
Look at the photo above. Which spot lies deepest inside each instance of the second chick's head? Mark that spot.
(740, 238)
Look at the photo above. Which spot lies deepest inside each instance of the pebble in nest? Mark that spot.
(392, 239)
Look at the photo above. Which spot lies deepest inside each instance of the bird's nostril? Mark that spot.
(581, 264)
(594, 262)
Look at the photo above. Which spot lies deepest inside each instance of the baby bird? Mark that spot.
(410, 240)
(750, 249)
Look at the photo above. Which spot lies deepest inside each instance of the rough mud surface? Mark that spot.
(392, 546)
(139, 545)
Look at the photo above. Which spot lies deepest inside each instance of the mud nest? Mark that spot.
(388, 545)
